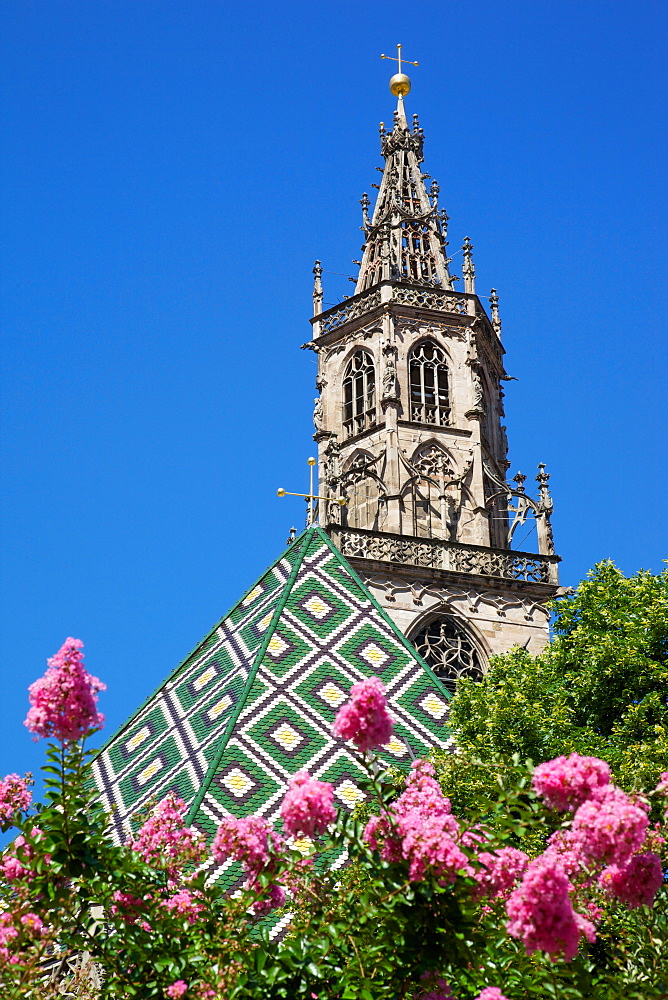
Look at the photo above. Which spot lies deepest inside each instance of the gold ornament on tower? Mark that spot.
(400, 84)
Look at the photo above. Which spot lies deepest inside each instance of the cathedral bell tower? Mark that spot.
(409, 432)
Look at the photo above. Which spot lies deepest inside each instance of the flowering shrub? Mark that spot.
(399, 900)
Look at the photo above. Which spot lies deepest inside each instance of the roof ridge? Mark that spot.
(252, 673)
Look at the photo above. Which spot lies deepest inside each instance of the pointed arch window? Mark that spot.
(428, 374)
(359, 394)
(448, 650)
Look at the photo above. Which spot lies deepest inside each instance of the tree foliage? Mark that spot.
(600, 687)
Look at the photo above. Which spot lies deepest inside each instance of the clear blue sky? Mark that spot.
(171, 170)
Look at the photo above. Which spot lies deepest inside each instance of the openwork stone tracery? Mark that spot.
(448, 650)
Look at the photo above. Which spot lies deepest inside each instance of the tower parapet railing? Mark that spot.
(438, 554)
(406, 293)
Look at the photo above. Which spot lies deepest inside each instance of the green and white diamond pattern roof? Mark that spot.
(255, 701)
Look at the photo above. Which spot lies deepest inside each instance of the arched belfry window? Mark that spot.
(359, 394)
(428, 373)
(448, 650)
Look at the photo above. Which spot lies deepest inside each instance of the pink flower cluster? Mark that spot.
(637, 882)
(254, 843)
(609, 827)
(8, 933)
(420, 829)
(15, 925)
(184, 904)
(165, 841)
(16, 862)
(500, 872)
(63, 701)
(15, 796)
(439, 989)
(365, 719)
(177, 989)
(127, 906)
(566, 782)
(436, 989)
(308, 806)
(541, 913)
(248, 839)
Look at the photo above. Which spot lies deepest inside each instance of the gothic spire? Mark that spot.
(405, 239)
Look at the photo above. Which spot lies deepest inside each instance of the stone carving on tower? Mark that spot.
(408, 425)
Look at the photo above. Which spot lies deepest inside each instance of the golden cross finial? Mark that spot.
(397, 59)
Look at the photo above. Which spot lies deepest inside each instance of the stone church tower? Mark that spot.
(409, 432)
(414, 579)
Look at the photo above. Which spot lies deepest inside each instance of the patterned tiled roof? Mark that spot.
(255, 701)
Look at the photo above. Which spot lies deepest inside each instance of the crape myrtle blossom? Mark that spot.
(184, 904)
(541, 912)
(165, 841)
(637, 882)
(247, 839)
(308, 806)
(563, 848)
(420, 829)
(268, 899)
(15, 925)
(15, 796)
(434, 988)
(501, 871)
(17, 862)
(610, 826)
(177, 990)
(365, 719)
(8, 933)
(63, 700)
(127, 906)
(254, 843)
(566, 782)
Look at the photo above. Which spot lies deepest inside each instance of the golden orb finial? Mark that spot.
(400, 84)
